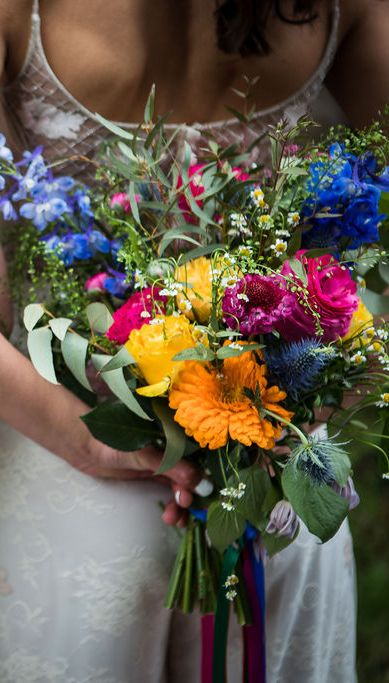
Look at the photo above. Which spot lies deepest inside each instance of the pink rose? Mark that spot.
(331, 294)
(96, 282)
(122, 199)
(137, 311)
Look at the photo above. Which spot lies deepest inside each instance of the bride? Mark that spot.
(84, 556)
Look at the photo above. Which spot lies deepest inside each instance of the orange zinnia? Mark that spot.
(211, 404)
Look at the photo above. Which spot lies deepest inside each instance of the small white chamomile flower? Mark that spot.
(358, 358)
(384, 400)
(279, 247)
(293, 218)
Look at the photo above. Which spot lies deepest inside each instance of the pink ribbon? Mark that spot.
(207, 635)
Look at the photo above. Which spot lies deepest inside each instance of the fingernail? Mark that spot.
(204, 488)
(177, 497)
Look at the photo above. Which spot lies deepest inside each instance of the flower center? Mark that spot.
(264, 294)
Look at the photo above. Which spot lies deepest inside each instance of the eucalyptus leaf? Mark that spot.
(60, 326)
(115, 380)
(199, 352)
(174, 434)
(32, 314)
(230, 351)
(377, 304)
(384, 271)
(115, 426)
(224, 527)
(99, 317)
(318, 506)
(120, 360)
(39, 348)
(74, 350)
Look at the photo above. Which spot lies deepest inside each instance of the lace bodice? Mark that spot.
(47, 114)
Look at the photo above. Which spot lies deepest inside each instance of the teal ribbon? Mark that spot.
(230, 558)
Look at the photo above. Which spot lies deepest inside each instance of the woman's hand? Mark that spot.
(50, 415)
(99, 460)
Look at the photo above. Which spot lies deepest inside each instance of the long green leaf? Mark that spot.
(200, 251)
(174, 434)
(114, 128)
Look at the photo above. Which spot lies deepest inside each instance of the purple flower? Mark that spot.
(256, 303)
(283, 520)
(348, 492)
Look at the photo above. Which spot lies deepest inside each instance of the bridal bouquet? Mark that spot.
(224, 304)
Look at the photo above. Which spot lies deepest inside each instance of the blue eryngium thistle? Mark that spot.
(322, 460)
(295, 367)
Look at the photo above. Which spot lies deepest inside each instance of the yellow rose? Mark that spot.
(361, 324)
(153, 347)
(197, 276)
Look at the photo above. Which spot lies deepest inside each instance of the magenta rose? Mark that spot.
(257, 303)
(137, 311)
(331, 295)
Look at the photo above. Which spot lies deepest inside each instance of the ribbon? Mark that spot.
(254, 634)
(207, 633)
(230, 559)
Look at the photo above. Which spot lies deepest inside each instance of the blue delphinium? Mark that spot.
(348, 189)
(296, 366)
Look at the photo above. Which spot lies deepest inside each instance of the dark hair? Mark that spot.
(241, 24)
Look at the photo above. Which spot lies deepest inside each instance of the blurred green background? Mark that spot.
(369, 525)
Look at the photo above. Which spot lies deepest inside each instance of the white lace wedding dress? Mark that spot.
(84, 563)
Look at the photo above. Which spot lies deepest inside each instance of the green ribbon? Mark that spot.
(222, 614)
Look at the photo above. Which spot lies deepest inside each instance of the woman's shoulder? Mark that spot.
(354, 12)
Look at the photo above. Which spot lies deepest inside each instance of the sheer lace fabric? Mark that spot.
(84, 563)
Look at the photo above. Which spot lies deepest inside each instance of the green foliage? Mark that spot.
(116, 426)
(224, 526)
(319, 507)
(174, 435)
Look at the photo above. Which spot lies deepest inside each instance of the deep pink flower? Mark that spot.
(96, 282)
(137, 311)
(122, 199)
(240, 174)
(331, 294)
(256, 303)
(196, 188)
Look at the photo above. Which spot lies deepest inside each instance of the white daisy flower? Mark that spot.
(384, 400)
